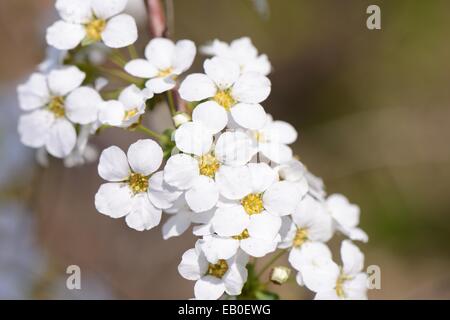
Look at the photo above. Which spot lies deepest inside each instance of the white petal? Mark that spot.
(61, 138)
(281, 132)
(320, 278)
(251, 87)
(352, 258)
(34, 127)
(160, 85)
(184, 55)
(234, 148)
(215, 248)
(193, 138)
(176, 225)
(276, 152)
(258, 247)
(327, 295)
(160, 193)
(311, 214)
(249, 116)
(197, 87)
(113, 165)
(209, 288)
(345, 213)
(203, 194)
(65, 36)
(310, 253)
(180, 171)
(75, 11)
(82, 105)
(230, 221)
(264, 226)
(141, 68)
(132, 97)
(145, 156)
(63, 81)
(223, 72)
(160, 53)
(355, 234)
(114, 199)
(111, 113)
(143, 215)
(293, 170)
(234, 279)
(261, 176)
(211, 115)
(120, 31)
(33, 93)
(356, 288)
(192, 265)
(260, 64)
(282, 198)
(106, 9)
(233, 182)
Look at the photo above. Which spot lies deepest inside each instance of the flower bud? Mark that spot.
(180, 118)
(280, 274)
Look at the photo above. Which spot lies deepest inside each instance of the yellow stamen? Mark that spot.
(340, 285)
(138, 183)
(300, 237)
(219, 269)
(242, 236)
(165, 72)
(208, 165)
(130, 114)
(259, 136)
(56, 106)
(253, 203)
(224, 98)
(94, 29)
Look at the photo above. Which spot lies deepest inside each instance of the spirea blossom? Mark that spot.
(226, 171)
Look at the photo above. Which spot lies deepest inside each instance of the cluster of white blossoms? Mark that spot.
(229, 170)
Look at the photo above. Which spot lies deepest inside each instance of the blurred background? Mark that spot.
(372, 109)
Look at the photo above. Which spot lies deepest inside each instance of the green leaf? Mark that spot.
(266, 295)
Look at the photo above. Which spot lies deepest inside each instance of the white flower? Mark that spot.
(272, 140)
(196, 173)
(164, 62)
(254, 201)
(89, 21)
(227, 88)
(346, 282)
(127, 109)
(346, 216)
(54, 103)
(134, 190)
(181, 218)
(213, 280)
(241, 51)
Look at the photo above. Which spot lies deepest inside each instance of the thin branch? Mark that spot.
(157, 21)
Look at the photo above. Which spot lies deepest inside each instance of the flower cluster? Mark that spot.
(227, 167)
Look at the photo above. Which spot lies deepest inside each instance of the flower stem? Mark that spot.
(270, 262)
(171, 103)
(121, 75)
(150, 133)
(132, 51)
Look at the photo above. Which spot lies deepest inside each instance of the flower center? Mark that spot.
(300, 237)
(56, 106)
(94, 29)
(224, 98)
(242, 236)
(340, 285)
(130, 113)
(165, 72)
(259, 136)
(138, 183)
(208, 165)
(253, 203)
(219, 269)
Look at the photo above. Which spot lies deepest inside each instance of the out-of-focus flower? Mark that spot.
(55, 103)
(90, 21)
(164, 62)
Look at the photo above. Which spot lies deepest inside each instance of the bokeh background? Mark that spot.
(371, 107)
